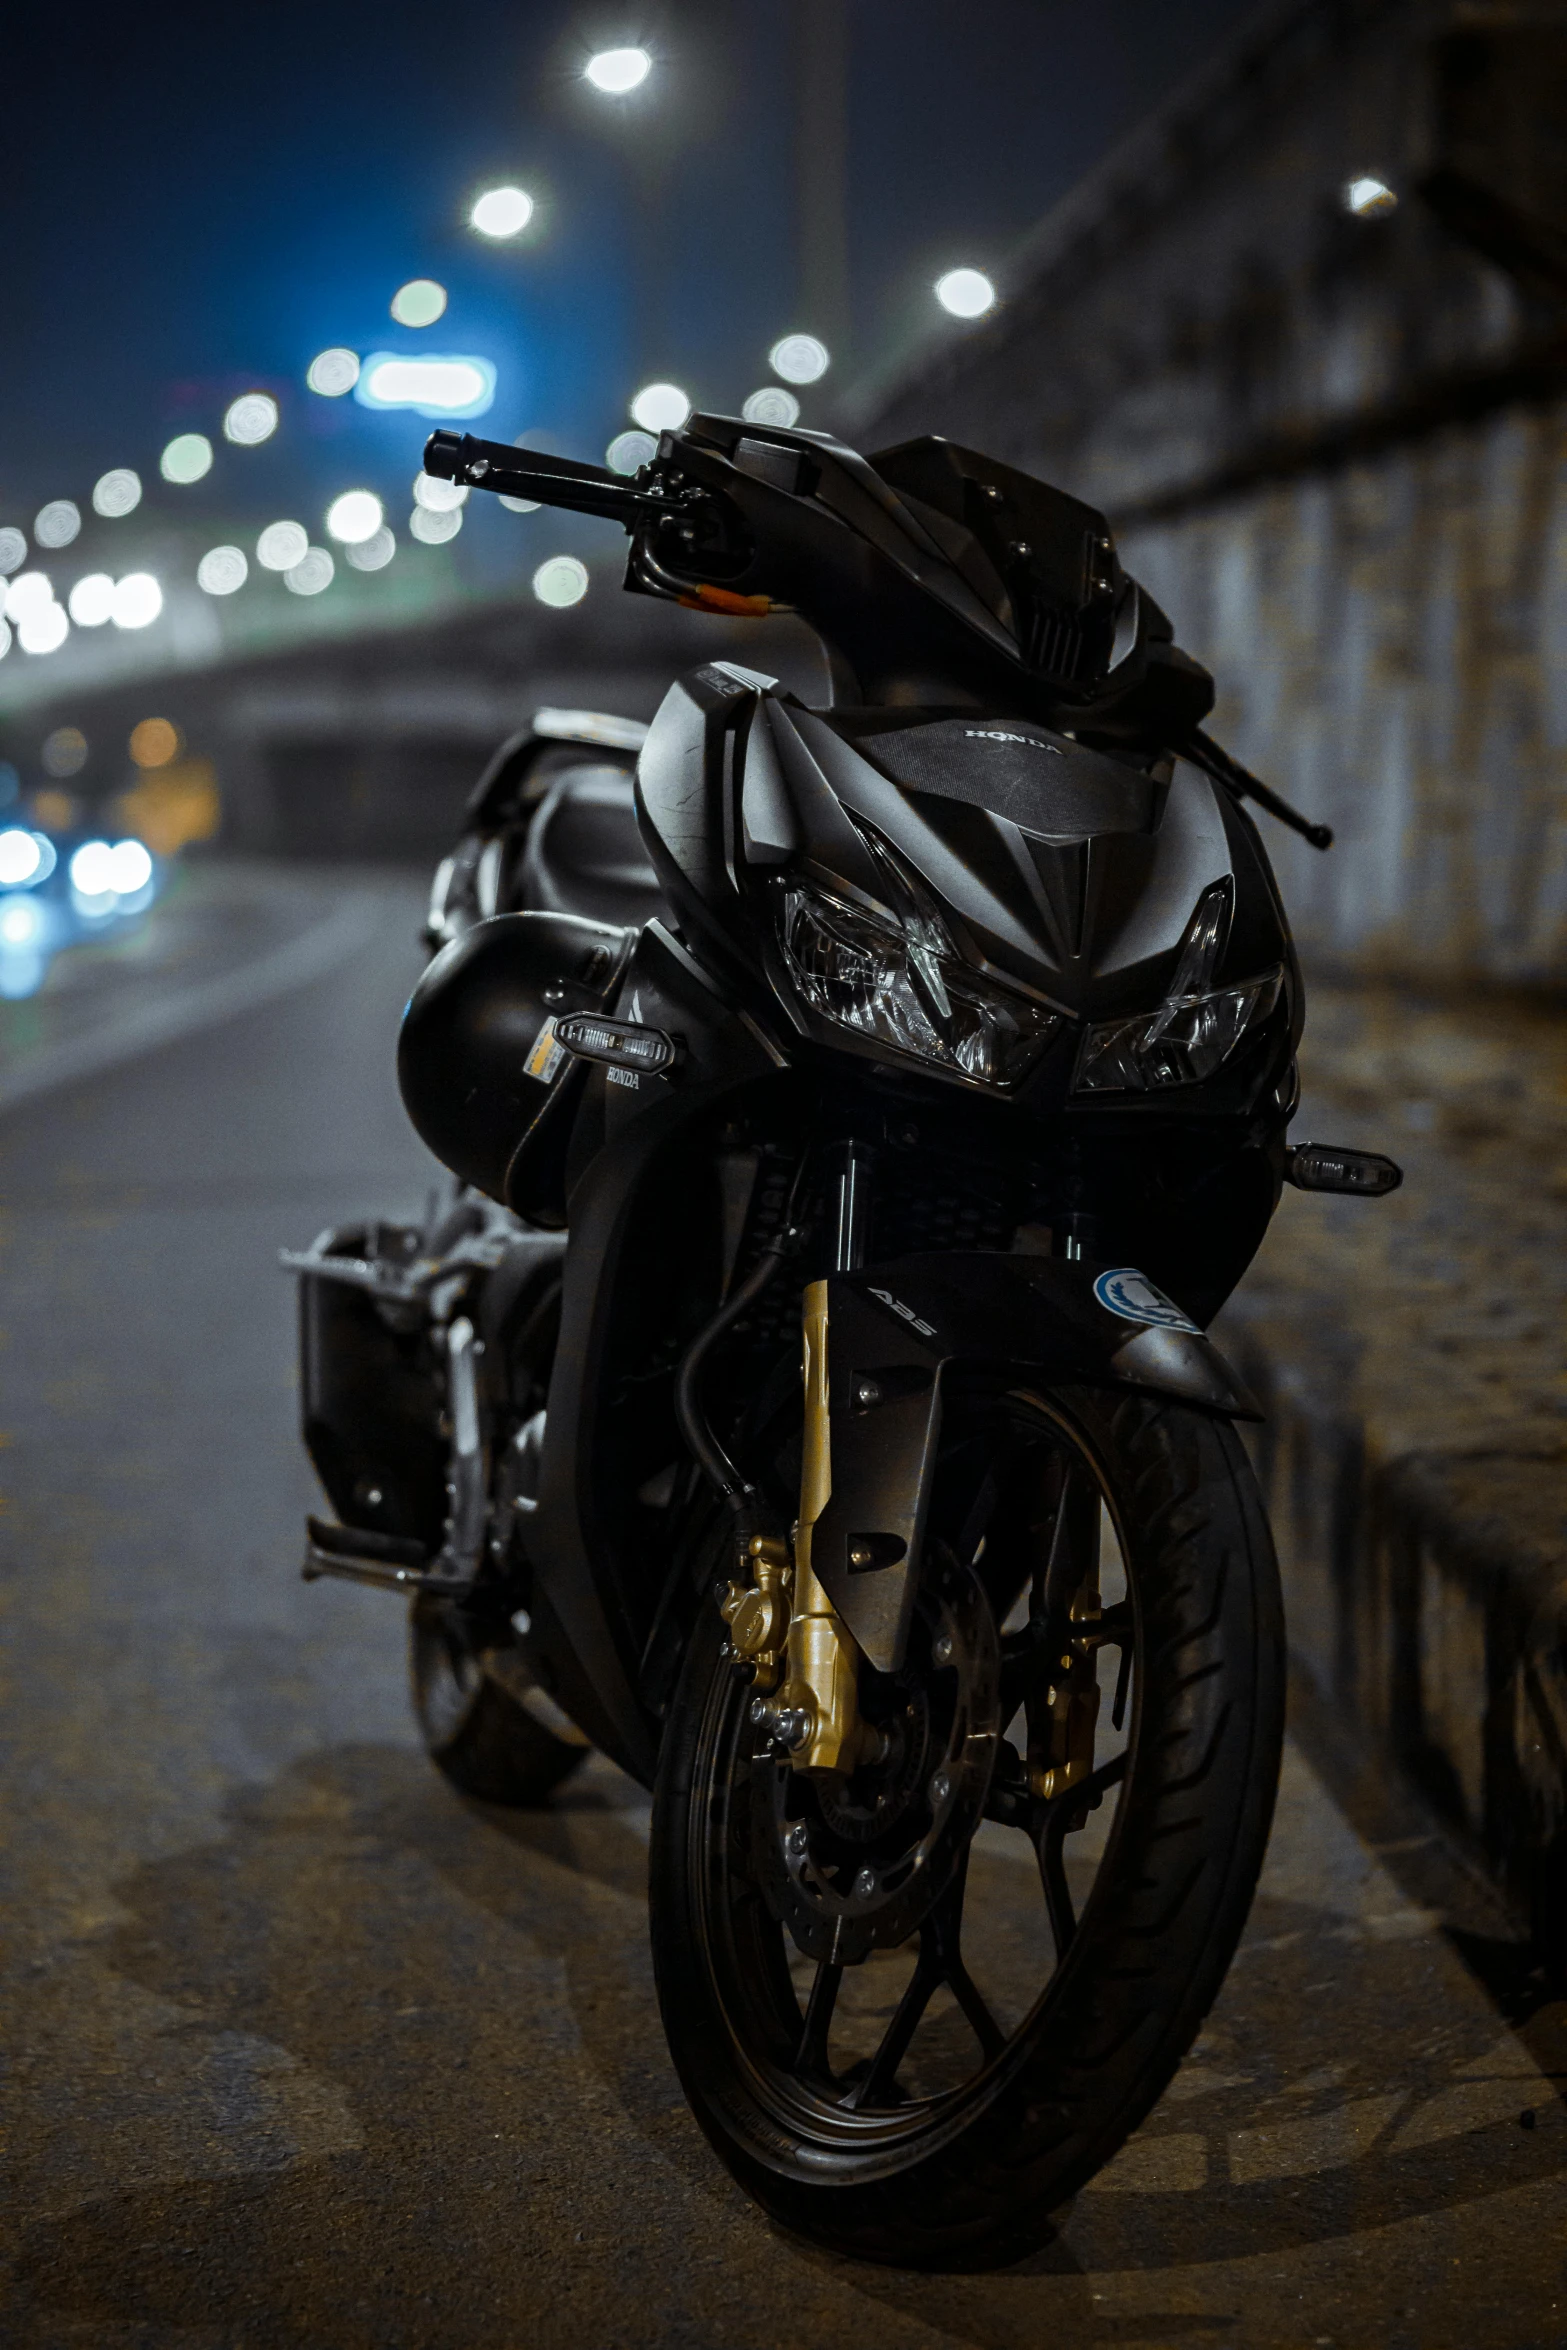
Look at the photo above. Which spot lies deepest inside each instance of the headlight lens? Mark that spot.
(901, 984)
(1197, 1026)
(1181, 1043)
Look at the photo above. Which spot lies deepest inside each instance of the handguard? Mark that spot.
(894, 1331)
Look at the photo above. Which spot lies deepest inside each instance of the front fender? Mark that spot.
(895, 1332)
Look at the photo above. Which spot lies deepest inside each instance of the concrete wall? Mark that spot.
(1390, 639)
(1333, 446)
(1336, 450)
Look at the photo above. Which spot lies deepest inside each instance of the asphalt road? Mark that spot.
(304, 2051)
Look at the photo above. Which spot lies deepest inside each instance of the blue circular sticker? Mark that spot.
(1133, 1296)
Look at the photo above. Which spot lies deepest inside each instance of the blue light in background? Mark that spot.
(26, 936)
(50, 900)
(430, 383)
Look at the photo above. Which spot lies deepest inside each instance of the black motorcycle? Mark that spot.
(859, 1114)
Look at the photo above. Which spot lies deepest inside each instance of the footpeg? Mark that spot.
(1322, 1166)
(356, 1555)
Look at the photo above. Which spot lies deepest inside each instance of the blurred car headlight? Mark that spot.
(900, 983)
(21, 858)
(22, 922)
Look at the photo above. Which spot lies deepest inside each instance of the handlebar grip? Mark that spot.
(549, 481)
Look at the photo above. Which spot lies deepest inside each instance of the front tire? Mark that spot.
(932, 2110)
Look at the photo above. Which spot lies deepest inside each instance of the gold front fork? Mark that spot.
(822, 1688)
(817, 1711)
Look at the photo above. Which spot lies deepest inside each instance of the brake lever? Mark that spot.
(641, 504)
(551, 481)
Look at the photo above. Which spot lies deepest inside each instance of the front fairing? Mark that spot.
(1060, 871)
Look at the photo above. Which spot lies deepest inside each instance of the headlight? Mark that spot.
(1180, 1044)
(900, 983)
(1194, 1030)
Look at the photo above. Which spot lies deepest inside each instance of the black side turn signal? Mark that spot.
(1322, 1166)
(620, 1044)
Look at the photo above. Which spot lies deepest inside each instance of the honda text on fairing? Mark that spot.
(858, 1115)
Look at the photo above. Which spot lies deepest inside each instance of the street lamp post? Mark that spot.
(821, 168)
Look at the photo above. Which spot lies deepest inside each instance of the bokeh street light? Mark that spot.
(561, 581)
(433, 526)
(57, 523)
(799, 359)
(282, 545)
(334, 372)
(43, 630)
(966, 293)
(446, 386)
(660, 408)
(419, 303)
(502, 212)
(354, 517)
(116, 492)
(628, 452)
(187, 458)
(250, 419)
(373, 554)
(222, 570)
(30, 591)
(154, 742)
(314, 571)
(616, 72)
(137, 601)
(91, 601)
(771, 405)
(437, 496)
(65, 752)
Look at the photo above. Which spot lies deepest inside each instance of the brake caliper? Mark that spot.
(1061, 1746)
(758, 1614)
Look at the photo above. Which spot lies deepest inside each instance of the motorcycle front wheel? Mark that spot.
(916, 2009)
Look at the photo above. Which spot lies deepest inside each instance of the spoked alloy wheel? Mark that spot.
(916, 2009)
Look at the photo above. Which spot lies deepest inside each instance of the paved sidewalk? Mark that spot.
(1413, 1355)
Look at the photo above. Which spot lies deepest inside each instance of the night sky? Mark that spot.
(200, 199)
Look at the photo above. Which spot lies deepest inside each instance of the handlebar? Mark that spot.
(726, 522)
(550, 481)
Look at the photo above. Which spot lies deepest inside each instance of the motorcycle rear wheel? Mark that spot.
(919, 2110)
(477, 1728)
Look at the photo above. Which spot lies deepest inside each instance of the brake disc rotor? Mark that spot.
(852, 1863)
